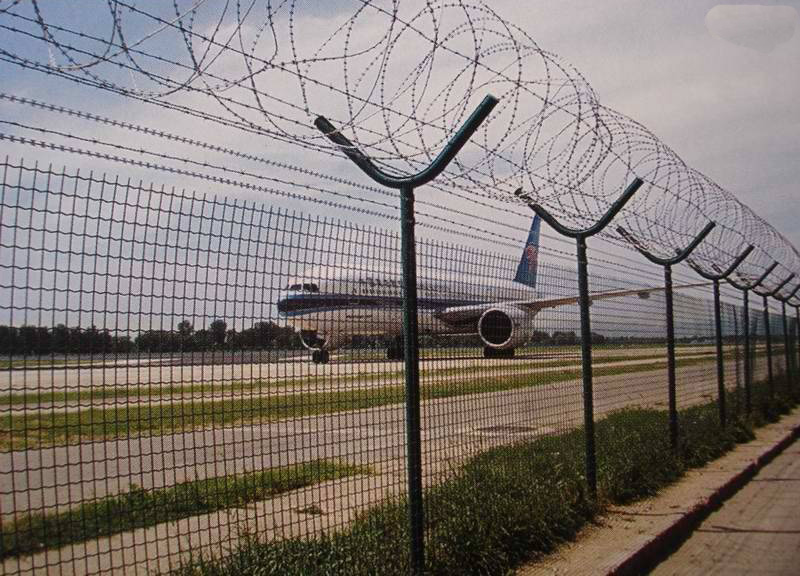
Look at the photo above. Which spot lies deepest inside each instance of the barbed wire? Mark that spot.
(124, 152)
(398, 79)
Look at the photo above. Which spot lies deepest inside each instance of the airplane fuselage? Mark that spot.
(338, 307)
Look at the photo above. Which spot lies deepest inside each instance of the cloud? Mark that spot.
(757, 27)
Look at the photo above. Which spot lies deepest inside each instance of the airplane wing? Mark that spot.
(643, 293)
(461, 314)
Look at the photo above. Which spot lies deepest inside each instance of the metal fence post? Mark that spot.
(797, 336)
(411, 364)
(723, 414)
(715, 278)
(584, 301)
(737, 373)
(586, 365)
(668, 263)
(768, 334)
(748, 365)
(406, 185)
(672, 378)
(797, 340)
(787, 353)
(748, 368)
(768, 337)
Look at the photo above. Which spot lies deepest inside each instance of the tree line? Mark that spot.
(217, 336)
(41, 340)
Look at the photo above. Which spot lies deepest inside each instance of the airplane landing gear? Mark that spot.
(495, 353)
(395, 351)
(320, 356)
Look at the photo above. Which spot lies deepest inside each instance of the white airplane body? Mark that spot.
(329, 307)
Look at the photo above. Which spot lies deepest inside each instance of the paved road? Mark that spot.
(755, 532)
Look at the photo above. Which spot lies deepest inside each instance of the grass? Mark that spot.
(503, 507)
(139, 508)
(40, 428)
(41, 363)
(151, 392)
(50, 428)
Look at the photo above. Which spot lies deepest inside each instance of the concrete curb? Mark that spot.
(660, 546)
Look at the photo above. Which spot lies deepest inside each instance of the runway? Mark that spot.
(145, 371)
(351, 382)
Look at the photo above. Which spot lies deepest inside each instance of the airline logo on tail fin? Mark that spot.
(526, 271)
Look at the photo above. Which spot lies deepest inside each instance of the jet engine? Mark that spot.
(502, 328)
(312, 340)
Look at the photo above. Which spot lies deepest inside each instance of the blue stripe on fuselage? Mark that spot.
(350, 301)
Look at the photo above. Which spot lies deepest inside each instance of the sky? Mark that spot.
(719, 84)
(728, 107)
(731, 111)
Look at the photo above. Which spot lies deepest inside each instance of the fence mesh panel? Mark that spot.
(182, 372)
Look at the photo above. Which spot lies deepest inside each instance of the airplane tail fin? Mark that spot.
(528, 264)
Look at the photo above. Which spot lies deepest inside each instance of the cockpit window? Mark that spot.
(305, 287)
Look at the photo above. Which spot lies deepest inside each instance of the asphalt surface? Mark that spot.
(146, 371)
(757, 531)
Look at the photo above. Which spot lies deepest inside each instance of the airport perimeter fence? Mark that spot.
(158, 405)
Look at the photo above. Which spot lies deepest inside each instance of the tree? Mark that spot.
(202, 340)
(8, 339)
(158, 341)
(540, 337)
(598, 338)
(565, 338)
(218, 329)
(185, 328)
(60, 340)
(121, 344)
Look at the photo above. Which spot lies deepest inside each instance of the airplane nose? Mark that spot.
(283, 304)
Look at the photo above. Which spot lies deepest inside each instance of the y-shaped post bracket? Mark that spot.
(784, 300)
(748, 366)
(584, 301)
(768, 332)
(406, 185)
(715, 278)
(667, 264)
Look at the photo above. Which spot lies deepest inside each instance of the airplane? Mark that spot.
(331, 306)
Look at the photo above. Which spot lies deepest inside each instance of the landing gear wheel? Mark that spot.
(495, 353)
(396, 350)
(320, 356)
(394, 353)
